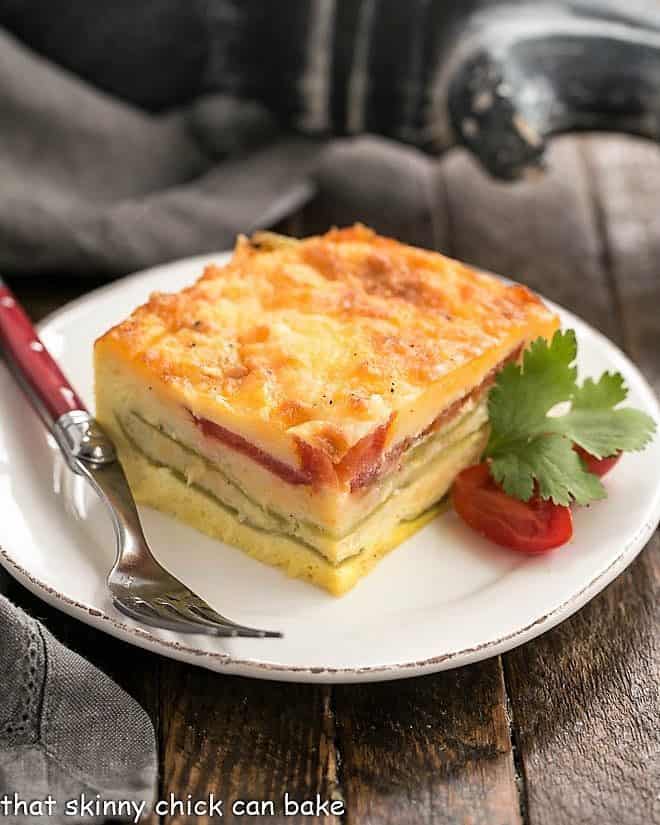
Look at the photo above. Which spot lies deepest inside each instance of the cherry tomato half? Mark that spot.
(532, 527)
(597, 466)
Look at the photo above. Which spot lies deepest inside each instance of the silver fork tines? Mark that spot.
(141, 588)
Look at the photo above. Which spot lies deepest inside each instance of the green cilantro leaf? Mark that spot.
(603, 394)
(552, 462)
(538, 411)
(521, 397)
(597, 427)
(605, 432)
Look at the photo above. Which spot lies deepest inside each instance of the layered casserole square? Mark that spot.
(311, 401)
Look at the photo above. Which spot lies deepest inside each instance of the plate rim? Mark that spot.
(227, 663)
(298, 673)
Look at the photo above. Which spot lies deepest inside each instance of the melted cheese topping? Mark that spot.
(322, 341)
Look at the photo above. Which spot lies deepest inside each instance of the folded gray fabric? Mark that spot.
(93, 185)
(381, 183)
(67, 731)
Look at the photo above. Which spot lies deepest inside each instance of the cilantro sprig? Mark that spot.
(538, 412)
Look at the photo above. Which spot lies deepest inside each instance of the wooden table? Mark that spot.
(564, 730)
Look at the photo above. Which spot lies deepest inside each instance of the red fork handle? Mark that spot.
(29, 358)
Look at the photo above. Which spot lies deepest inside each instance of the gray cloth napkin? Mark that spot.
(94, 185)
(66, 729)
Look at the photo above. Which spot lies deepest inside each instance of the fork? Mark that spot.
(140, 586)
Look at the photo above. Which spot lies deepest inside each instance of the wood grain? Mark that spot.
(246, 739)
(584, 697)
(585, 708)
(625, 179)
(434, 749)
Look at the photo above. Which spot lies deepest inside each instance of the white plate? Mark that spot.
(444, 598)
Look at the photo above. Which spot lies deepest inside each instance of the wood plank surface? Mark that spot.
(434, 749)
(585, 708)
(626, 179)
(581, 704)
(438, 746)
(245, 739)
(625, 176)
(584, 697)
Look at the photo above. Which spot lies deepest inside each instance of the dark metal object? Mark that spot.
(526, 74)
(497, 77)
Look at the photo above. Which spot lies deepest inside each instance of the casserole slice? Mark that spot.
(311, 401)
